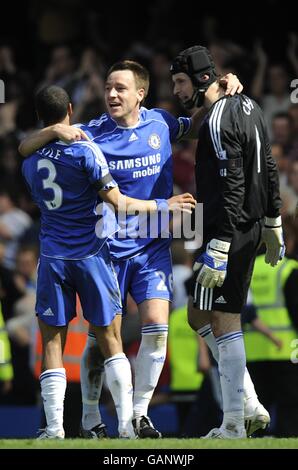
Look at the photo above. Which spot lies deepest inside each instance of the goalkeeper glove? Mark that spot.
(273, 238)
(212, 264)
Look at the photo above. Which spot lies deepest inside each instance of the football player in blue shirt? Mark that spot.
(137, 145)
(65, 181)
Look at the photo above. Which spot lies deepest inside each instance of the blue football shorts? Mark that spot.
(93, 279)
(147, 275)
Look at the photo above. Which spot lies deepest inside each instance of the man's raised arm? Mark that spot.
(231, 84)
(38, 139)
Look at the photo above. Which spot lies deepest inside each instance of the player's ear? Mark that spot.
(69, 109)
(141, 95)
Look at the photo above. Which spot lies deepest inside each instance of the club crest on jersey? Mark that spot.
(154, 141)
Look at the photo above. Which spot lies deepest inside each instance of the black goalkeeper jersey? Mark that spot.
(236, 176)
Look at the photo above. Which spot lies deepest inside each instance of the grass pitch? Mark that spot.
(264, 443)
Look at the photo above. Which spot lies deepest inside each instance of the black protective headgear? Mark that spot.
(197, 63)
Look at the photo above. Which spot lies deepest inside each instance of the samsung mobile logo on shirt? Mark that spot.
(149, 171)
(138, 162)
(149, 165)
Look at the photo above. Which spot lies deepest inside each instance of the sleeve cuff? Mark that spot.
(273, 221)
(162, 204)
(219, 245)
(106, 182)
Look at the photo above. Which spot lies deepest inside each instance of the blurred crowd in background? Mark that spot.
(57, 52)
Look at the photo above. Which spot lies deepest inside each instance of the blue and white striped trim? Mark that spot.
(47, 375)
(185, 125)
(204, 331)
(78, 125)
(91, 339)
(99, 137)
(229, 337)
(154, 328)
(214, 128)
(99, 156)
(98, 122)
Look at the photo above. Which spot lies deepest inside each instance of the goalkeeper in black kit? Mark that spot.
(237, 182)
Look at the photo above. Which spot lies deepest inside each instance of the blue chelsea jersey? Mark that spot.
(64, 181)
(140, 161)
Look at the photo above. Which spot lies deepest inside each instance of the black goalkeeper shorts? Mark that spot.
(231, 297)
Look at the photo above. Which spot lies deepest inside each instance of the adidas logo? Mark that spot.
(133, 137)
(218, 264)
(48, 313)
(220, 300)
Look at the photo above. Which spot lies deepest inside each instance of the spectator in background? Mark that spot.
(183, 165)
(291, 230)
(17, 110)
(287, 193)
(21, 327)
(249, 315)
(92, 99)
(13, 223)
(293, 112)
(91, 63)
(282, 131)
(60, 69)
(277, 97)
(161, 78)
(293, 175)
(8, 116)
(292, 51)
(10, 163)
(9, 292)
(86, 87)
(227, 55)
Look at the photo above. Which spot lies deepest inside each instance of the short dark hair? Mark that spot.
(51, 104)
(140, 73)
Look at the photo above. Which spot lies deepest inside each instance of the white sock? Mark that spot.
(148, 366)
(118, 376)
(53, 386)
(231, 366)
(92, 377)
(206, 333)
(250, 397)
(251, 400)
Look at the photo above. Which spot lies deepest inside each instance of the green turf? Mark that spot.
(265, 443)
